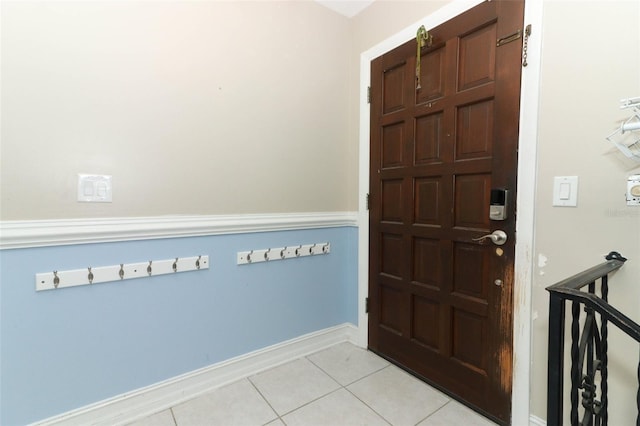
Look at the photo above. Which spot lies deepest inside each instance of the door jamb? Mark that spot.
(527, 156)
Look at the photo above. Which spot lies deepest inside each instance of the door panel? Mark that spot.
(436, 153)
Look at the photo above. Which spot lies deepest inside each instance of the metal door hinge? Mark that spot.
(366, 305)
(368, 201)
(368, 94)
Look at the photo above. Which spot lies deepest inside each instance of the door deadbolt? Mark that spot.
(497, 237)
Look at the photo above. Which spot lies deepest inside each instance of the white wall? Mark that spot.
(590, 60)
(192, 107)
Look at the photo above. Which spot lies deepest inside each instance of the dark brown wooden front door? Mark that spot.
(440, 302)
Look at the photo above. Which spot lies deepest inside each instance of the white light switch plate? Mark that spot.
(94, 188)
(565, 191)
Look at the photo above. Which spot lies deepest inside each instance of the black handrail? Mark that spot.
(588, 349)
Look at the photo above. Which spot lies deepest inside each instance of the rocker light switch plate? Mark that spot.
(565, 191)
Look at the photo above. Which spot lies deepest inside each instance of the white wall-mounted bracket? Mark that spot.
(628, 145)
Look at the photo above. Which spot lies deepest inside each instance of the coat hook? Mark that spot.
(266, 254)
(149, 268)
(175, 265)
(56, 279)
(121, 272)
(249, 256)
(325, 248)
(298, 251)
(198, 262)
(311, 252)
(282, 253)
(90, 276)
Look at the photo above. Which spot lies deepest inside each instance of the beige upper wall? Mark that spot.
(590, 60)
(192, 107)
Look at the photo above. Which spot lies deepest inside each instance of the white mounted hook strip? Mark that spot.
(123, 271)
(282, 253)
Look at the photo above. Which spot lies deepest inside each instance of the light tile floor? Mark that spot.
(341, 385)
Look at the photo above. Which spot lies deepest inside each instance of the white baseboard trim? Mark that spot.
(141, 403)
(536, 421)
(40, 233)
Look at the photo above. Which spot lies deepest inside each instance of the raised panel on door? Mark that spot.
(471, 201)
(477, 57)
(427, 208)
(474, 129)
(426, 262)
(429, 138)
(426, 322)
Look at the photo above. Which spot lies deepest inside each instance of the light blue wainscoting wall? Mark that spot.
(66, 348)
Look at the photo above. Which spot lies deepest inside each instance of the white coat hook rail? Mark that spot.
(124, 271)
(282, 253)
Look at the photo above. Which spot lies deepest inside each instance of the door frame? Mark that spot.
(527, 156)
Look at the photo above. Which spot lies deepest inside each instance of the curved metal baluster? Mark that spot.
(638, 397)
(604, 372)
(575, 368)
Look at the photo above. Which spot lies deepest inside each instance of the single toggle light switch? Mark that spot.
(565, 191)
(87, 189)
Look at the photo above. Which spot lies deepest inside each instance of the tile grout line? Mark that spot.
(307, 403)
(278, 417)
(384, 419)
(438, 409)
(356, 381)
(173, 416)
(365, 404)
(340, 386)
(315, 399)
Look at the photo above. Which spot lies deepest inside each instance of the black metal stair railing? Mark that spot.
(589, 345)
